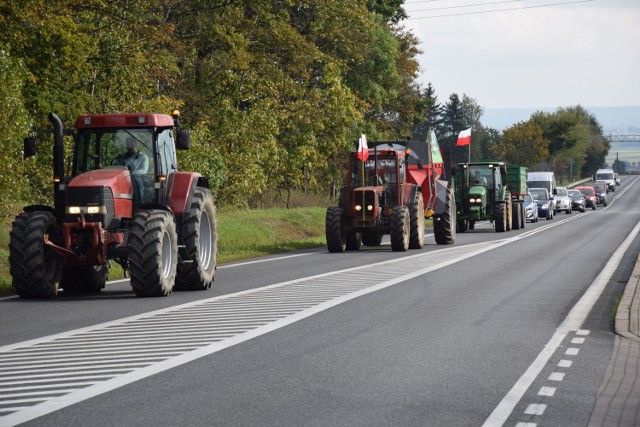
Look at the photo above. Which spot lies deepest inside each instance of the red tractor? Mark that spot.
(125, 201)
(397, 186)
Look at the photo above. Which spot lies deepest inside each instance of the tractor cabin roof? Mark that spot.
(123, 121)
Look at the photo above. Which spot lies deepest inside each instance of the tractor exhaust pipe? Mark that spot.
(58, 164)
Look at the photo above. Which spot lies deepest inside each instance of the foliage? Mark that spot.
(275, 92)
(522, 144)
(13, 127)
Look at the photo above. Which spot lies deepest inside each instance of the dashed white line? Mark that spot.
(556, 376)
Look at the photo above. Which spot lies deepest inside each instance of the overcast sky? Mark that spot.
(585, 53)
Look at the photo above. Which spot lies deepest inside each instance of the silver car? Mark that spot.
(563, 200)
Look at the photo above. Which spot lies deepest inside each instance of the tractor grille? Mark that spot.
(92, 196)
(369, 200)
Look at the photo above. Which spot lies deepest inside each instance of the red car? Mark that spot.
(590, 197)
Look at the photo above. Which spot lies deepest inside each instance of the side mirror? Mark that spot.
(184, 140)
(29, 147)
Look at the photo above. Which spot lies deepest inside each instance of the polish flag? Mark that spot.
(363, 148)
(464, 138)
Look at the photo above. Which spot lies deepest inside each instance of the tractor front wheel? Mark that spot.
(34, 268)
(400, 229)
(200, 239)
(416, 221)
(500, 214)
(153, 253)
(336, 239)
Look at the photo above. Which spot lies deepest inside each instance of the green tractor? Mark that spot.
(490, 191)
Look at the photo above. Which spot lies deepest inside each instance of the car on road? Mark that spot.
(544, 200)
(577, 200)
(563, 200)
(602, 188)
(530, 208)
(608, 176)
(590, 198)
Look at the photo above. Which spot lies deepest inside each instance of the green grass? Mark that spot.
(241, 234)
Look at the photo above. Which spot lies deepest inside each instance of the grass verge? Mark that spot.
(241, 234)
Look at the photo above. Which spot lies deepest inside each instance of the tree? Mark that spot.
(431, 117)
(522, 144)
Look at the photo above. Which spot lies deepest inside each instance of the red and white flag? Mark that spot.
(464, 138)
(363, 148)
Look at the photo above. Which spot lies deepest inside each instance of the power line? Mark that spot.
(463, 5)
(500, 10)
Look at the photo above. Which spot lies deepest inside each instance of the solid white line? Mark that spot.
(573, 322)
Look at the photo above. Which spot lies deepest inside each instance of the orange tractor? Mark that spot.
(125, 201)
(390, 191)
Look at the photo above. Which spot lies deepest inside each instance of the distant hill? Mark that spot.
(612, 119)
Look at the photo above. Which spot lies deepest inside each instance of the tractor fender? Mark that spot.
(182, 186)
(38, 208)
(412, 194)
(440, 205)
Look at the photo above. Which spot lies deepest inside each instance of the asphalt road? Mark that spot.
(480, 332)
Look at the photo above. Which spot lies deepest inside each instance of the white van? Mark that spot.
(608, 176)
(543, 180)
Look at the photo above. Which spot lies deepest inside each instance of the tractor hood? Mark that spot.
(477, 191)
(117, 179)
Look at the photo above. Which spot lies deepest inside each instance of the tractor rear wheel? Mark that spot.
(200, 239)
(523, 215)
(500, 215)
(400, 229)
(444, 224)
(35, 269)
(416, 221)
(371, 238)
(84, 278)
(153, 253)
(336, 239)
(516, 219)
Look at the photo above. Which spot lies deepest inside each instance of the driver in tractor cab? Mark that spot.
(137, 162)
(479, 179)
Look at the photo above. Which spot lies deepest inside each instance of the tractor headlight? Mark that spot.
(77, 210)
(358, 208)
(73, 210)
(369, 208)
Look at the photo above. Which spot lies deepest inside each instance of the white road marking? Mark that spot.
(565, 363)
(547, 391)
(572, 351)
(573, 322)
(535, 409)
(577, 341)
(556, 376)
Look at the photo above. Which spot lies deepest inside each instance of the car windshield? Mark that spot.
(561, 192)
(538, 194)
(599, 187)
(587, 191)
(528, 198)
(604, 175)
(575, 194)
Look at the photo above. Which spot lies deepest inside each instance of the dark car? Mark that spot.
(577, 200)
(602, 188)
(589, 196)
(544, 200)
